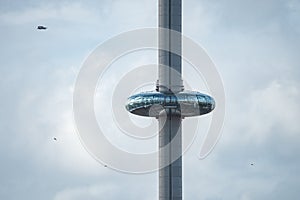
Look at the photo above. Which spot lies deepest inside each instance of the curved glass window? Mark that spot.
(187, 103)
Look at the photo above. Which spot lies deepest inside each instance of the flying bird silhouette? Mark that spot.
(41, 27)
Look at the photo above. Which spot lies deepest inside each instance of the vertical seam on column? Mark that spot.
(170, 154)
(170, 41)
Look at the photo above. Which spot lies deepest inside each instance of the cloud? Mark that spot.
(274, 107)
(255, 45)
(89, 192)
(72, 12)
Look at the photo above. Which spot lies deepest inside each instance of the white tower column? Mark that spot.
(170, 82)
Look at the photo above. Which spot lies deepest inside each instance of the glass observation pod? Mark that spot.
(186, 103)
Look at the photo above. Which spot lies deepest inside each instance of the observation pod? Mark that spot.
(186, 103)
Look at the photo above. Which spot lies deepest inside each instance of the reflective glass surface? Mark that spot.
(188, 103)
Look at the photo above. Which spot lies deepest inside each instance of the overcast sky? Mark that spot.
(255, 46)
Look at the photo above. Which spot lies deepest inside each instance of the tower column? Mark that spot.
(170, 82)
(170, 103)
(170, 176)
(169, 72)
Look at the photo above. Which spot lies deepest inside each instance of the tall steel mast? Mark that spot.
(170, 82)
(170, 103)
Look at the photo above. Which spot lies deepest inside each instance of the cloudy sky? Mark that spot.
(255, 46)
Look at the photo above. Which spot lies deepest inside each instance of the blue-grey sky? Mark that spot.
(255, 45)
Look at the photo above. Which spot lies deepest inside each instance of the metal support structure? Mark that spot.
(169, 78)
(170, 103)
(170, 176)
(170, 82)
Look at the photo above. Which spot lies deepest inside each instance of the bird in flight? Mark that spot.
(41, 27)
(55, 138)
